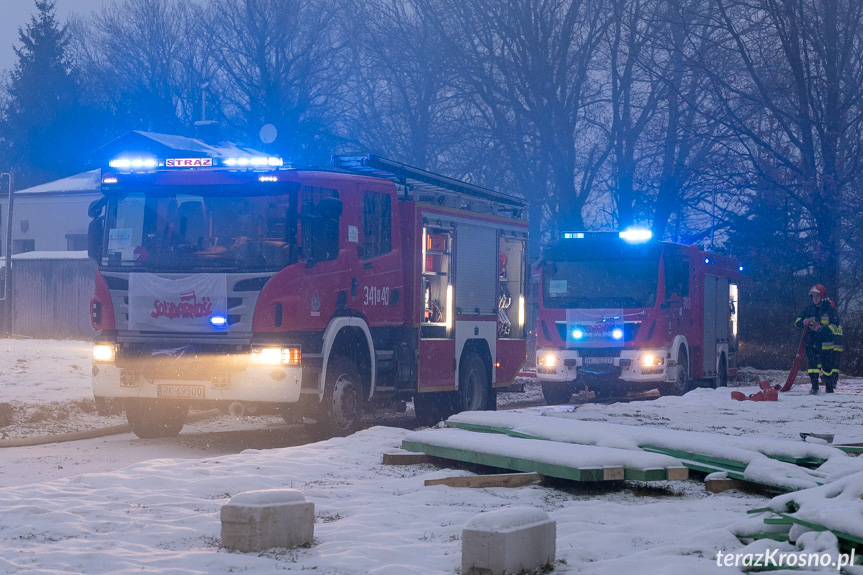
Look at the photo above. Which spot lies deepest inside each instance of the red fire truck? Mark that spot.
(317, 293)
(619, 311)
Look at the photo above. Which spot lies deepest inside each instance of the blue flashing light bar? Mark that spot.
(573, 235)
(636, 235)
(253, 162)
(134, 163)
(143, 163)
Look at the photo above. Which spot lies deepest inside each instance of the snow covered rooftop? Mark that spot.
(79, 183)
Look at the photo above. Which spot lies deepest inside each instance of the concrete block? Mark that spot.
(259, 520)
(508, 541)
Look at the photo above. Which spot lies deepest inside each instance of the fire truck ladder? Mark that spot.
(423, 186)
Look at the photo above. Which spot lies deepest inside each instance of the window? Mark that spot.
(377, 224)
(76, 242)
(186, 228)
(676, 278)
(320, 229)
(23, 246)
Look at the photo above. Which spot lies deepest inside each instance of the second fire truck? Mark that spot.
(319, 293)
(620, 311)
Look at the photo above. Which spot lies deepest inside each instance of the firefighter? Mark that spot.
(824, 342)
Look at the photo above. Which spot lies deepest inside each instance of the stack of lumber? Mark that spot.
(779, 464)
(548, 458)
(836, 507)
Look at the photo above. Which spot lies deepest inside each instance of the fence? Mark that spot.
(51, 297)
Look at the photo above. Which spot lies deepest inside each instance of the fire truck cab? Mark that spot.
(619, 311)
(315, 293)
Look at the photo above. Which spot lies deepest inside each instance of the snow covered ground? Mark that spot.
(162, 515)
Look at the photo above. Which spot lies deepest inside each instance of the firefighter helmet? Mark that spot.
(819, 289)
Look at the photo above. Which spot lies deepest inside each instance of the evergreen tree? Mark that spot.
(42, 111)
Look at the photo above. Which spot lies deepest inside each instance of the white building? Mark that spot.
(51, 216)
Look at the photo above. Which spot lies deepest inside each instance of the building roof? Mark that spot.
(168, 145)
(85, 182)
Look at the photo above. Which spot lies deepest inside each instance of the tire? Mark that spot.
(430, 408)
(556, 393)
(680, 386)
(722, 374)
(152, 418)
(341, 411)
(474, 389)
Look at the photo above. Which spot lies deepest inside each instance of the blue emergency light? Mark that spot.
(636, 235)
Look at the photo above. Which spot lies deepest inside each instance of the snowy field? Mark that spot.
(162, 516)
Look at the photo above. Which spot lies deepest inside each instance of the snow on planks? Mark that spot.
(775, 463)
(552, 459)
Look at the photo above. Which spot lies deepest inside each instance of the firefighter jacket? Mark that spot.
(829, 337)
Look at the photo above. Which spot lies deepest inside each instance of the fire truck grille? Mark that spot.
(243, 292)
(630, 330)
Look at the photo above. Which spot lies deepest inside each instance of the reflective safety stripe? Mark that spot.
(831, 372)
(817, 370)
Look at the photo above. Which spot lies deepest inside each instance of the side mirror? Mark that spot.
(95, 231)
(96, 206)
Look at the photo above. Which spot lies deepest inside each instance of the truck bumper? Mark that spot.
(271, 384)
(565, 365)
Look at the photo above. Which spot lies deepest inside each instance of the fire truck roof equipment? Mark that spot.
(433, 187)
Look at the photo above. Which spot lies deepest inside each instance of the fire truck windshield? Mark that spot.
(600, 283)
(195, 229)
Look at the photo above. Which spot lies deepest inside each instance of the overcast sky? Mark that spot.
(17, 13)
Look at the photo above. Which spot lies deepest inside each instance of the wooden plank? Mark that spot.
(653, 474)
(499, 480)
(677, 473)
(526, 466)
(491, 429)
(817, 527)
(720, 485)
(406, 458)
(780, 521)
(613, 473)
(713, 461)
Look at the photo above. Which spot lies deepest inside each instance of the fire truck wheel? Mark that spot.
(430, 408)
(556, 393)
(474, 391)
(342, 407)
(681, 385)
(722, 374)
(151, 418)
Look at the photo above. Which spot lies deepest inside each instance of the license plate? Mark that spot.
(598, 360)
(181, 391)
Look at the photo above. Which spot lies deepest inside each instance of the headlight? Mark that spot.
(104, 352)
(548, 360)
(650, 359)
(276, 356)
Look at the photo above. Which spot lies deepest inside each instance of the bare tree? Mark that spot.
(144, 57)
(282, 62)
(796, 103)
(525, 66)
(402, 98)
